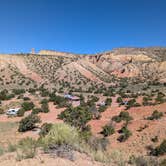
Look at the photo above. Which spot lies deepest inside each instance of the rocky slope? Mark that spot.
(51, 67)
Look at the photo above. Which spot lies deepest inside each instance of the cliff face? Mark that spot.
(56, 53)
(148, 63)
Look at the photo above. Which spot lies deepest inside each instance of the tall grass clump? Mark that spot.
(68, 137)
(26, 148)
(61, 134)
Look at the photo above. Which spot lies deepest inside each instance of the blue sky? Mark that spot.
(81, 26)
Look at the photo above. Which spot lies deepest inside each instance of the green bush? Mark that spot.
(2, 150)
(18, 91)
(131, 103)
(26, 148)
(108, 130)
(26, 98)
(77, 116)
(160, 98)
(119, 100)
(44, 101)
(98, 143)
(45, 128)
(124, 115)
(11, 147)
(159, 150)
(144, 161)
(108, 101)
(1, 111)
(27, 106)
(28, 123)
(20, 112)
(102, 108)
(155, 115)
(61, 134)
(4, 95)
(36, 110)
(125, 134)
(45, 108)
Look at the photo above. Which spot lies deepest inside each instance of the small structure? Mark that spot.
(32, 51)
(12, 111)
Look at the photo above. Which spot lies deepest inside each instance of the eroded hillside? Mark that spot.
(114, 102)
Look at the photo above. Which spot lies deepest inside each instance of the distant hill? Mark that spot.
(75, 70)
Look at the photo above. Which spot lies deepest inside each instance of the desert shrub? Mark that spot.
(78, 116)
(141, 128)
(44, 101)
(125, 134)
(45, 108)
(108, 130)
(4, 95)
(36, 110)
(20, 112)
(163, 163)
(44, 92)
(98, 143)
(61, 134)
(102, 108)
(58, 100)
(45, 128)
(108, 101)
(18, 91)
(144, 161)
(26, 148)
(94, 98)
(11, 147)
(86, 133)
(132, 103)
(119, 100)
(160, 98)
(159, 150)
(10, 96)
(154, 139)
(26, 98)
(31, 90)
(1, 111)
(28, 123)
(146, 101)
(155, 115)
(124, 115)
(2, 150)
(27, 106)
(20, 96)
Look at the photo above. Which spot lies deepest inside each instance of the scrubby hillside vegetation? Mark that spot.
(113, 103)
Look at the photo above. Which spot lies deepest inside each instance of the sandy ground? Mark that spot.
(137, 143)
(9, 159)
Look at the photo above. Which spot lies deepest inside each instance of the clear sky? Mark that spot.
(81, 26)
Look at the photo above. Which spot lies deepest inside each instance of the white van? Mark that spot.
(12, 111)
